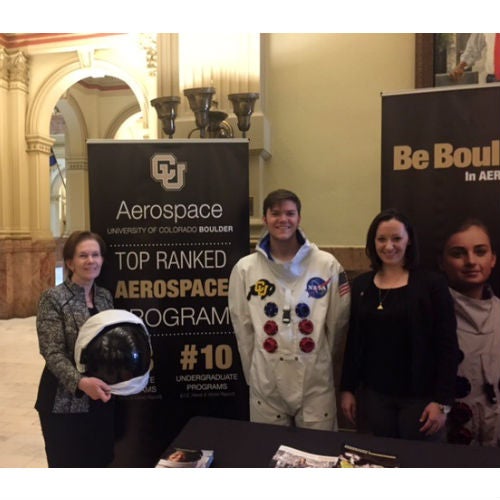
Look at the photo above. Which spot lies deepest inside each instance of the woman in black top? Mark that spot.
(76, 411)
(402, 344)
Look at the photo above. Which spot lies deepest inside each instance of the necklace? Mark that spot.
(381, 298)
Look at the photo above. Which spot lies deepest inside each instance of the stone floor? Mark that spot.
(21, 442)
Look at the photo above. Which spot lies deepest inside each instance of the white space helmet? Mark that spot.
(114, 345)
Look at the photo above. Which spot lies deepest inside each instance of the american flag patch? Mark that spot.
(344, 286)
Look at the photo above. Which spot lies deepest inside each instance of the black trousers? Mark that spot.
(79, 439)
(391, 416)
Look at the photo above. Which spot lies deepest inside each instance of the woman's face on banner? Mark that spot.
(468, 259)
(391, 241)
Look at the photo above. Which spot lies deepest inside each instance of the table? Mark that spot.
(240, 443)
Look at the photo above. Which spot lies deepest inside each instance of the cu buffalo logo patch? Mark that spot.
(317, 287)
(262, 289)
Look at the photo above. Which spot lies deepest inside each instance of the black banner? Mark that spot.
(441, 161)
(175, 217)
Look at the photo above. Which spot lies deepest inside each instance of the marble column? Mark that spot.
(27, 257)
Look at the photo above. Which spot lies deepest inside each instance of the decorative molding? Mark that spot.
(86, 57)
(42, 104)
(18, 86)
(39, 144)
(147, 42)
(76, 164)
(16, 40)
(18, 68)
(8, 234)
(4, 69)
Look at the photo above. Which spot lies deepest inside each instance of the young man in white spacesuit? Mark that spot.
(289, 303)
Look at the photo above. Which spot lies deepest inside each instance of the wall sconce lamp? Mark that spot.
(200, 101)
(166, 108)
(243, 106)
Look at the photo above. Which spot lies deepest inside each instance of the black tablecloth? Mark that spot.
(239, 443)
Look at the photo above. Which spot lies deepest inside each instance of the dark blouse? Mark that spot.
(388, 346)
(415, 338)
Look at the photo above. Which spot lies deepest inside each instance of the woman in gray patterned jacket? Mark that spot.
(76, 412)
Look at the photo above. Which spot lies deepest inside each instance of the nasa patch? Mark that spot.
(317, 287)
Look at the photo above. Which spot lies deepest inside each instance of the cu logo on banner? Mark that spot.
(166, 170)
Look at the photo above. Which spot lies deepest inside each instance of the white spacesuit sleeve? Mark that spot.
(337, 321)
(240, 318)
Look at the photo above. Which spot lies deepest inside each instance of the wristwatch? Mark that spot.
(444, 408)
